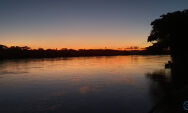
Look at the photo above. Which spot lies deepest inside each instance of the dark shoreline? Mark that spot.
(37, 54)
(16, 52)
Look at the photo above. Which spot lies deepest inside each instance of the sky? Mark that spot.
(81, 23)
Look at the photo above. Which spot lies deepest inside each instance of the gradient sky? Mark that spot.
(81, 23)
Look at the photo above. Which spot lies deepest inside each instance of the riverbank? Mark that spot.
(49, 53)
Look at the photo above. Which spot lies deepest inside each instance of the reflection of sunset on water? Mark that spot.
(80, 81)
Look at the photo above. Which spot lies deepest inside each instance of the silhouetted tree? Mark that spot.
(170, 31)
(3, 47)
(25, 48)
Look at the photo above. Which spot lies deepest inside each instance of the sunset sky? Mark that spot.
(81, 23)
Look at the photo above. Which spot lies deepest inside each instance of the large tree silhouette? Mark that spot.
(171, 31)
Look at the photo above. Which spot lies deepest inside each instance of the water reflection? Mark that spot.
(169, 88)
(79, 85)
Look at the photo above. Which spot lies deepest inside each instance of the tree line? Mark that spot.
(27, 52)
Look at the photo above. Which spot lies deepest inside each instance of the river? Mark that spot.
(105, 84)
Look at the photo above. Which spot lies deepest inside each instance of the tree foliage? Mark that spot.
(171, 31)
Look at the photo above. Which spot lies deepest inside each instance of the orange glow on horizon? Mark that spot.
(81, 47)
(74, 40)
(78, 45)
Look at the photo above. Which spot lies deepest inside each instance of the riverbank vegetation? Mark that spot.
(26, 52)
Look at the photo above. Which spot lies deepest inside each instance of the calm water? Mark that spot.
(115, 84)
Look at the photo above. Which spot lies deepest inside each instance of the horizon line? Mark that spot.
(61, 48)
